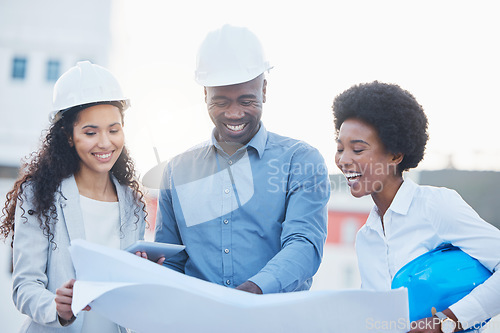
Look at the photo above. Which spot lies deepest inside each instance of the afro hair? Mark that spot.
(395, 114)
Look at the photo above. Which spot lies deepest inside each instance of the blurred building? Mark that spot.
(39, 40)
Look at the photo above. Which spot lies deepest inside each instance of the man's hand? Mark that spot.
(145, 256)
(249, 287)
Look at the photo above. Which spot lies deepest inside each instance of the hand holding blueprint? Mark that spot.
(146, 297)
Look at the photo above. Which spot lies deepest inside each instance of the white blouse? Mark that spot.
(418, 220)
(102, 221)
(102, 226)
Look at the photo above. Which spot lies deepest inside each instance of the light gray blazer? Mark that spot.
(39, 269)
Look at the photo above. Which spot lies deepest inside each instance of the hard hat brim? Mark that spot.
(56, 115)
(229, 78)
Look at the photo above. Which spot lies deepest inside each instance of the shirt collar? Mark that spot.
(208, 146)
(258, 142)
(400, 204)
(404, 196)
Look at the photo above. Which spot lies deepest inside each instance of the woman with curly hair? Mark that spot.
(382, 132)
(79, 185)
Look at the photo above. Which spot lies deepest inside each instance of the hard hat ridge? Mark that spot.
(230, 55)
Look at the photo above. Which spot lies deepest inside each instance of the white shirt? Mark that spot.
(102, 221)
(102, 226)
(418, 220)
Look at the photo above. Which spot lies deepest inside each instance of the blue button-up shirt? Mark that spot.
(259, 214)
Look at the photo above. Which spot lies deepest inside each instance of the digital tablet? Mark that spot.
(155, 250)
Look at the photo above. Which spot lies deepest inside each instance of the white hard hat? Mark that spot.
(229, 55)
(86, 83)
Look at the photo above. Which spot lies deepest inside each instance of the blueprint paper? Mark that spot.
(146, 297)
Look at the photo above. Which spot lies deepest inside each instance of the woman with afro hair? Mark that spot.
(381, 132)
(80, 184)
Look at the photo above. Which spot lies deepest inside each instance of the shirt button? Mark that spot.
(230, 162)
(226, 221)
(226, 251)
(228, 282)
(226, 191)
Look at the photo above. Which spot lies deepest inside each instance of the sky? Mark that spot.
(446, 53)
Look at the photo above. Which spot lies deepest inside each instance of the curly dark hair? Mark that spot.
(395, 114)
(56, 160)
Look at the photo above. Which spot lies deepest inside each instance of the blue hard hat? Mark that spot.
(439, 278)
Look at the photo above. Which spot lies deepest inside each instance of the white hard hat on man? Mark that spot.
(230, 55)
(84, 84)
(227, 56)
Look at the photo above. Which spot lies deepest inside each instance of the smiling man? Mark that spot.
(249, 205)
(236, 111)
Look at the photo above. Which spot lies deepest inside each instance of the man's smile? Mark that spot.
(236, 128)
